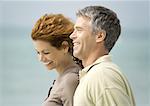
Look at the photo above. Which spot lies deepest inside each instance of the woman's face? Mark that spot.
(50, 56)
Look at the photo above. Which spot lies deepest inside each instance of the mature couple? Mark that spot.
(61, 45)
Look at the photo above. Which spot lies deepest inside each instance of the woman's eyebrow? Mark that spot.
(42, 50)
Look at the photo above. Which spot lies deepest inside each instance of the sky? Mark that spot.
(133, 14)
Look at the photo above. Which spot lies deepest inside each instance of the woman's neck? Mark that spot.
(68, 62)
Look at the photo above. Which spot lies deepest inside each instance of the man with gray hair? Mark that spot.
(101, 82)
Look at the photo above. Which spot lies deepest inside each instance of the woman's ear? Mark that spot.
(100, 36)
(65, 46)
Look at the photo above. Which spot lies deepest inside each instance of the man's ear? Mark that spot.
(65, 46)
(100, 36)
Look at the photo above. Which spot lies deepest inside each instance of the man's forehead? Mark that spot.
(81, 21)
(81, 18)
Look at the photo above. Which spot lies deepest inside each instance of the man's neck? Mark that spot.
(92, 58)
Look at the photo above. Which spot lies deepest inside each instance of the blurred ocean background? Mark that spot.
(24, 81)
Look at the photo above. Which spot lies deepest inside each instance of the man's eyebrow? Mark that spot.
(77, 27)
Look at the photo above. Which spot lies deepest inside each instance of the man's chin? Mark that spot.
(76, 54)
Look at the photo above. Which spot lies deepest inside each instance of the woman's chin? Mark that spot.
(49, 68)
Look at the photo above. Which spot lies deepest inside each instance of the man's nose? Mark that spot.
(72, 36)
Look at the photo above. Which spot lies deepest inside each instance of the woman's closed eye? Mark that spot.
(46, 53)
(42, 52)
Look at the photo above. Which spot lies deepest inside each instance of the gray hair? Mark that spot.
(103, 19)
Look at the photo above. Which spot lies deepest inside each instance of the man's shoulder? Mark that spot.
(106, 74)
(104, 67)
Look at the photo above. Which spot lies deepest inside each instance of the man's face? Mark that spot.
(83, 40)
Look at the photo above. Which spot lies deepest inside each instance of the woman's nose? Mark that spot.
(41, 58)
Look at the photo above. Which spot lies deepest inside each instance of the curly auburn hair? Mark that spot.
(55, 28)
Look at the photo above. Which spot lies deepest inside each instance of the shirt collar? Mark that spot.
(104, 58)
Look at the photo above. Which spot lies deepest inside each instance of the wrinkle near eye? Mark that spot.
(37, 52)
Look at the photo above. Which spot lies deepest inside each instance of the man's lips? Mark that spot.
(75, 43)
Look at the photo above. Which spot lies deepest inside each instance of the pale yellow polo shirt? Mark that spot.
(103, 85)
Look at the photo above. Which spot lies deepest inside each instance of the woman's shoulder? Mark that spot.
(71, 77)
(72, 71)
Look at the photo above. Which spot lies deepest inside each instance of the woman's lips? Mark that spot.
(47, 63)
